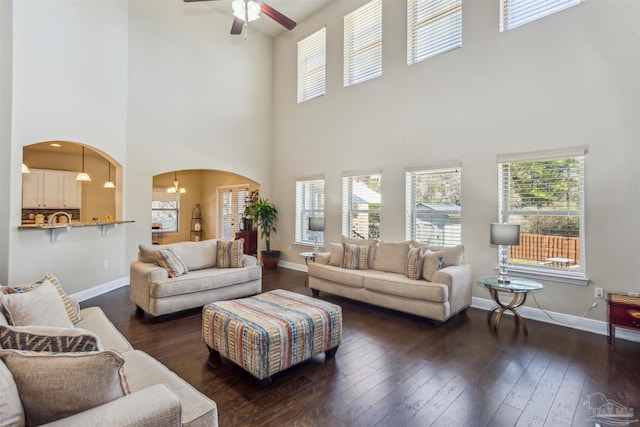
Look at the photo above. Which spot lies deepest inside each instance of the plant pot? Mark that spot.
(270, 259)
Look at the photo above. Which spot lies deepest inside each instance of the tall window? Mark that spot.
(544, 193)
(361, 203)
(363, 43)
(434, 214)
(312, 60)
(433, 27)
(514, 13)
(231, 201)
(165, 209)
(309, 204)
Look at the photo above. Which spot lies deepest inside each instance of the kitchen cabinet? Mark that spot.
(49, 189)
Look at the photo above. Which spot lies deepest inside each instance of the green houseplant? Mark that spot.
(266, 214)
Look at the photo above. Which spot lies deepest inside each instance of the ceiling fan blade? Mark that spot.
(237, 26)
(286, 22)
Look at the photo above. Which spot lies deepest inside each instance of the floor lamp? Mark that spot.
(316, 225)
(504, 235)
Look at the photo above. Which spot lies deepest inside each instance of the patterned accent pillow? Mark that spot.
(172, 262)
(47, 338)
(354, 257)
(73, 314)
(432, 263)
(230, 253)
(414, 263)
(74, 382)
(40, 306)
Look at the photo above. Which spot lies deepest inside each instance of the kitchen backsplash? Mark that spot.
(29, 214)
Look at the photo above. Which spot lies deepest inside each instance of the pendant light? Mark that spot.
(176, 186)
(83, 176)
(109, 184)
(25, 169)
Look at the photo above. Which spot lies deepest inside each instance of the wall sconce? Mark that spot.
(504, 235)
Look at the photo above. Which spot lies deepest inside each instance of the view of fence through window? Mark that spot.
(546, 197)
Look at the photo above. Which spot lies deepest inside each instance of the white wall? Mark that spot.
(566, 80)
(6, 52)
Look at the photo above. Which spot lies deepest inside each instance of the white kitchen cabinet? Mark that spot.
(49, 189)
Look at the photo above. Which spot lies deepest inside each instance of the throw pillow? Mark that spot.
(47, 338)
(11, 412)
(432, 263)
(57, 385)
(172, 262)
(354, 257)
(391, 257)
(414, 263)
(74, 315)
(230, 253)
(335, 254)
(40, 306)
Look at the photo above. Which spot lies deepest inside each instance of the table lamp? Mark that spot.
(316, 225)
(504, 235)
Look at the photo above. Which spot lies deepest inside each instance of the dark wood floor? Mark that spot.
(394, 369)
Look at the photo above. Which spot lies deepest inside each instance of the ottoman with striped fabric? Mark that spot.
(267, 333)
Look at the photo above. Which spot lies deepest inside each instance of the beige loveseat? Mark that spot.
(156, 293)
(41, 384)
(440, 289)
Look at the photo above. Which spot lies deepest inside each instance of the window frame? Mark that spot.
(306, 187)
(312, 77)
(348, 210)
(161, 195)
(509, 8)
(543, 270)
(363, 36)
(427, 15)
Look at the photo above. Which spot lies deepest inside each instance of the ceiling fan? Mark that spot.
(245, 11)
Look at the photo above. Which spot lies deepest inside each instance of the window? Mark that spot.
(433, 27)
(312, 60)
(363, 43)
(309, 204)
(544, 193)
(361, 202)
(165, 210)
(514, 13)
(434, 214)
(232, 202)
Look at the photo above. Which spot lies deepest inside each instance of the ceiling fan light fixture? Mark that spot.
(246, 10)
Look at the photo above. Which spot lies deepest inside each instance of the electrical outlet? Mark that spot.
(598, 293)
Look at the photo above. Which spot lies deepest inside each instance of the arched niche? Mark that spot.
(202, 187)
(50, 185)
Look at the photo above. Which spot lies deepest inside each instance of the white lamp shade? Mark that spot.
(25, 169)
(505, 234)
(316, 224)
(83, 176)
(109, 184)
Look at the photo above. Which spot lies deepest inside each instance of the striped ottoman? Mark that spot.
(270, 332)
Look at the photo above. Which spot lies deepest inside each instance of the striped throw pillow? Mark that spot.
(230, 253)
(354, 257)
(172, 262)
(414, 263)
(47, 338)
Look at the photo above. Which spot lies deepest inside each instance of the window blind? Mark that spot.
(434, 212)
(312, 59)
(433, 27)
(363, 43)
(309, 204)
(361, 206)
(232, 202)
(514, 13)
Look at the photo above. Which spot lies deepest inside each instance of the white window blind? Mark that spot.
(312, 60)
(514, 13)
(361, 206)
(433, 27)
(232, 202)
(309, 204)
(546, 197)
(363, 43)
(434, 212)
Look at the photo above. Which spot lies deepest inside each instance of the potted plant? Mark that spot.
(265, 213)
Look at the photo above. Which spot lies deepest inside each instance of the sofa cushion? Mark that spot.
(168, 259)
(40, 306)
(354, 257)
(56, 385)
(230, 253)
(94, 320)
(373, 244)
(195, 255)
(47, 338)
(453, 255)
(353, 278)
(202, 280)
(400, 285)
(414, 263)
(432, 262)
(11, 411)
(391, 257)
(73, 314)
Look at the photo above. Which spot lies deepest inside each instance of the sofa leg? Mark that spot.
(330, 354)
(315, 293)
(139, 311)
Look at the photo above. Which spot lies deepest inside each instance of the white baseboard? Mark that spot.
(293, 266)
(584, 324)
(101, 289)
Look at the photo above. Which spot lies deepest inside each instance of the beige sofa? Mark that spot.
(158, 397)
(156, 293)
(441, 289)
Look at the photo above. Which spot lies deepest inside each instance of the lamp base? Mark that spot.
(504, 281)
